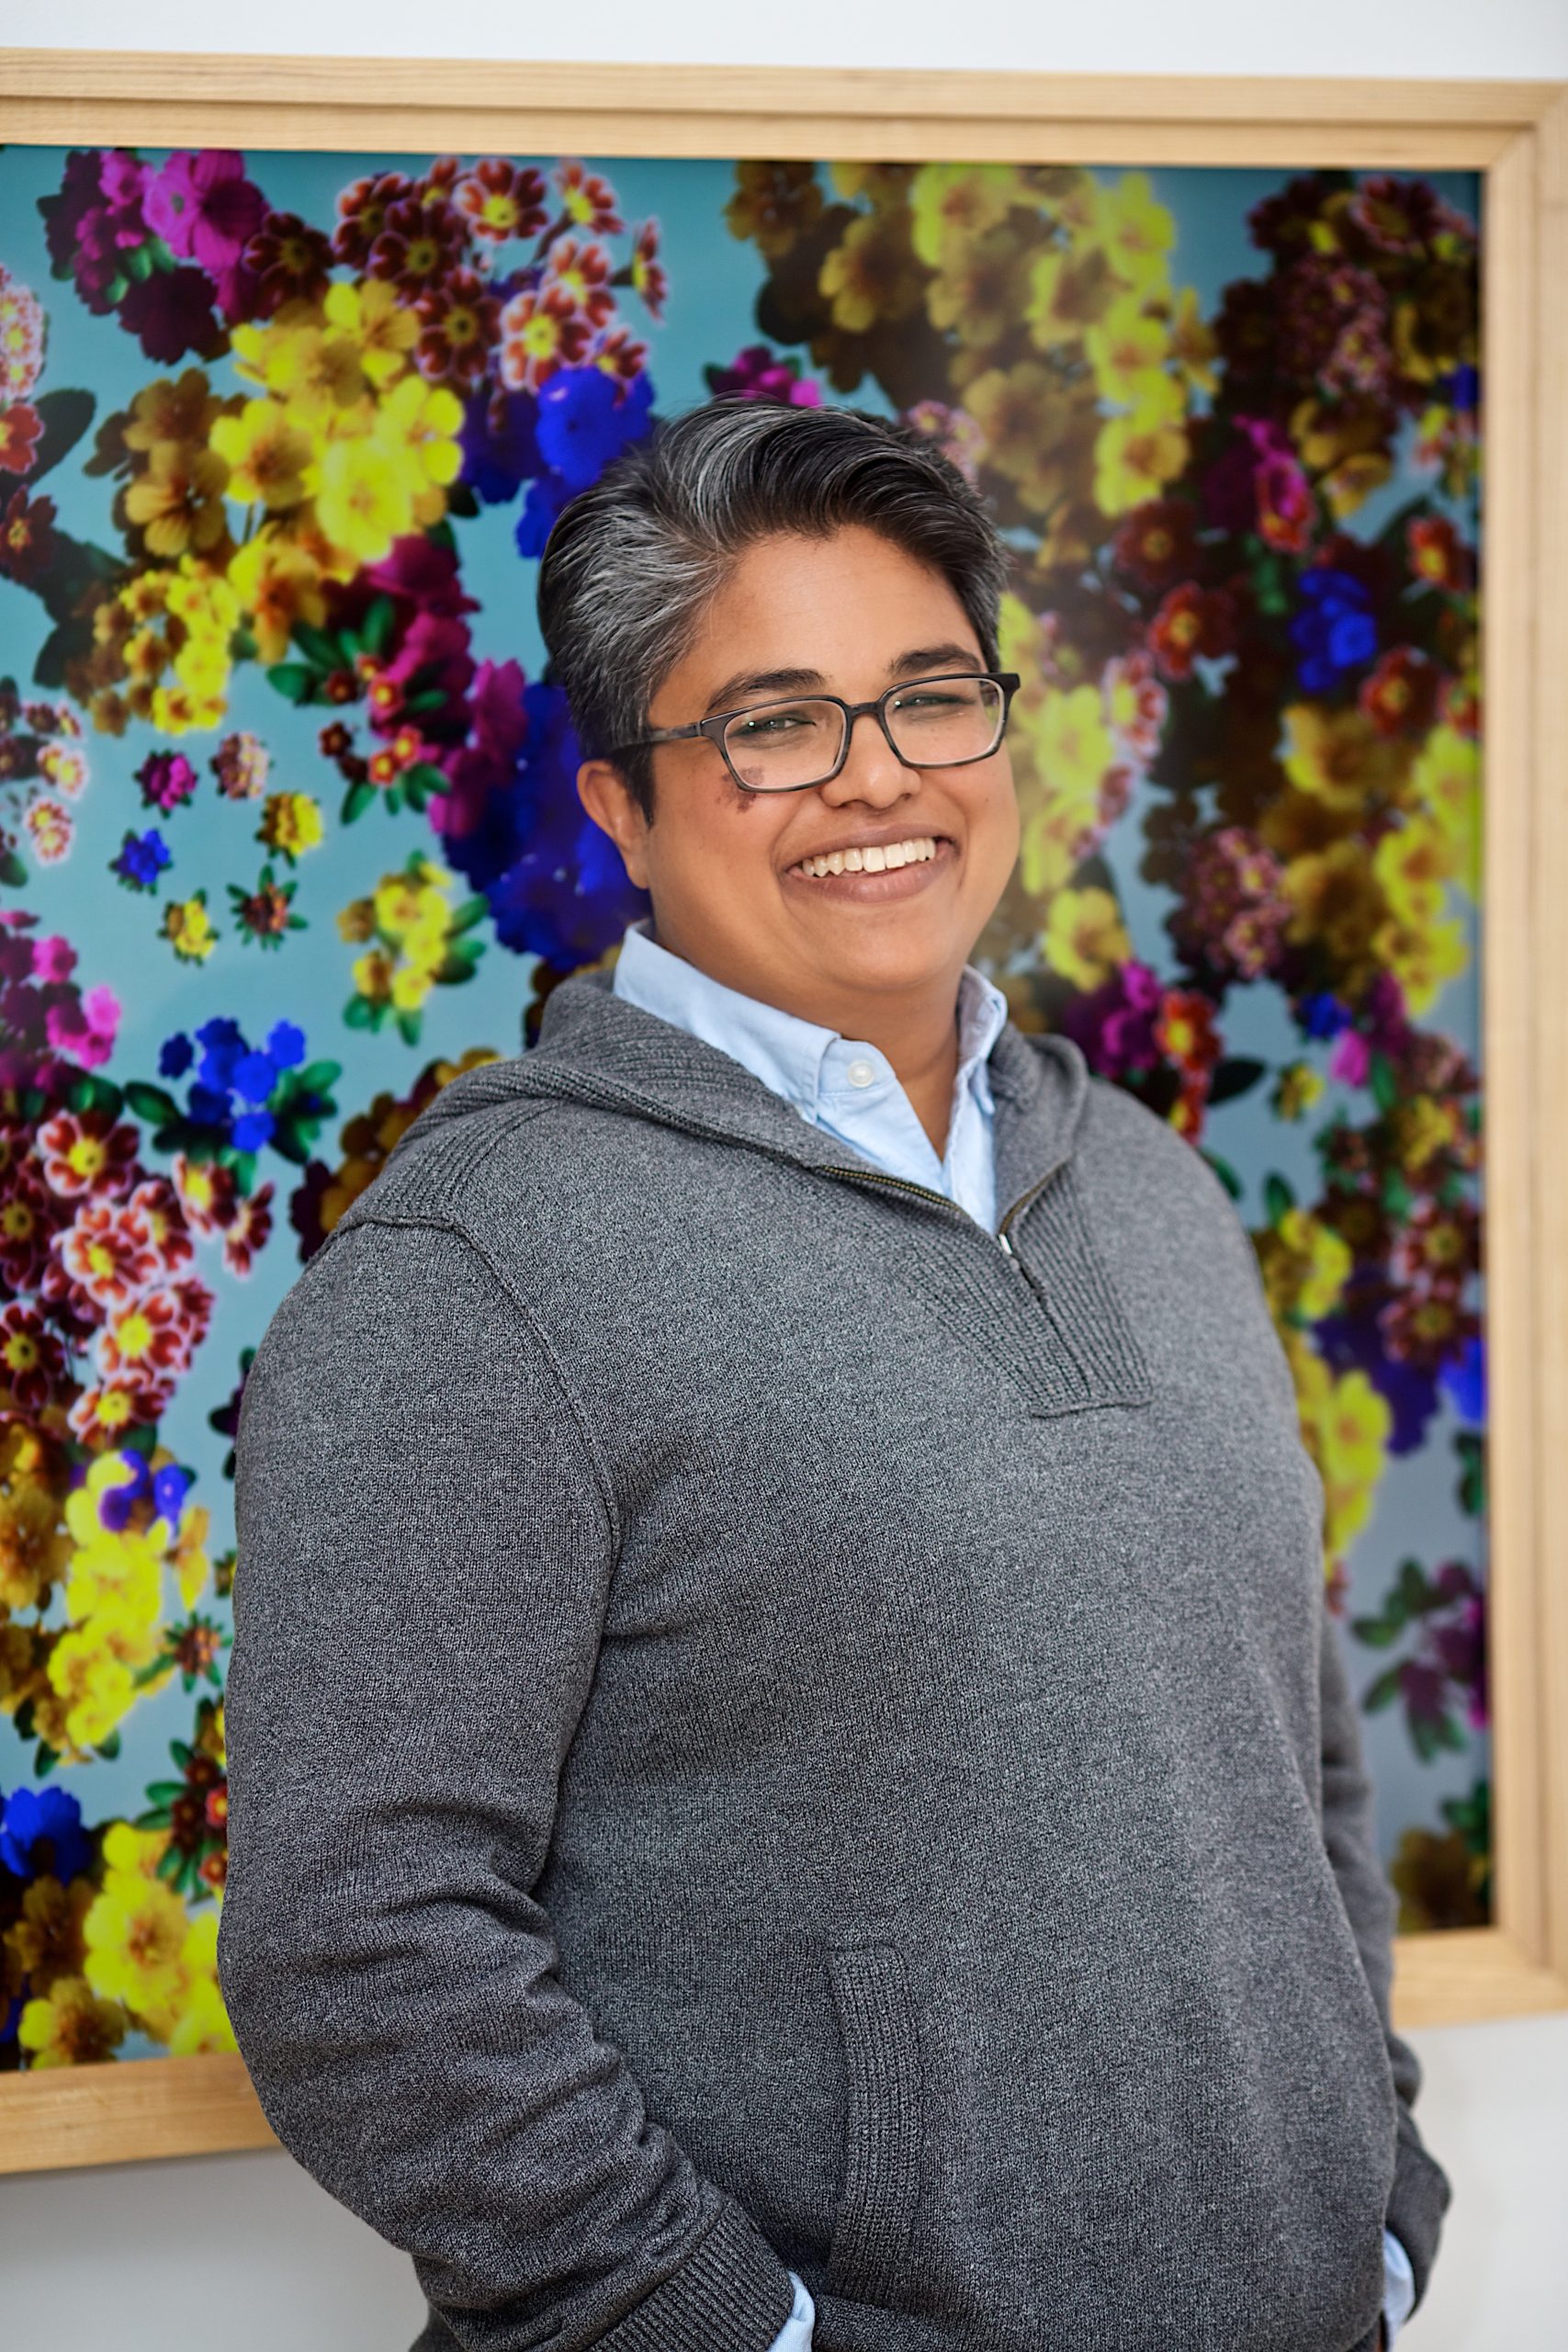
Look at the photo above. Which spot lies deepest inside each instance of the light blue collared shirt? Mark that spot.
(845, 1088)
(849, 1090)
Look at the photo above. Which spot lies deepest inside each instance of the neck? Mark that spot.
(921, 1043)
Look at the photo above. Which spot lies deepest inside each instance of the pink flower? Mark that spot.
(54, 958)
(204, 207)
(1351, 1058)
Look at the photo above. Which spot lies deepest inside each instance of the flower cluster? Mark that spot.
(241, 1099)
(43, 773)
(414, 940)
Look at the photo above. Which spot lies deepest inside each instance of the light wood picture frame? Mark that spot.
(1514, 135)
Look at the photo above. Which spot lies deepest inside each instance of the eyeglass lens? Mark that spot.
(783, 746)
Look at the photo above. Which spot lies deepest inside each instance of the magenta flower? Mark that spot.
(167, 780)
(205, 208)
(54, 958)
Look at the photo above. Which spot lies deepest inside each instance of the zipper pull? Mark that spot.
(1008, 1252)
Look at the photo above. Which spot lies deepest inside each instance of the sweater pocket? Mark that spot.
(879, 2184)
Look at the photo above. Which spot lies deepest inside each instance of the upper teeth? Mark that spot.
(881, 859)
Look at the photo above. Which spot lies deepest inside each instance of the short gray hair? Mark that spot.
(633, 563)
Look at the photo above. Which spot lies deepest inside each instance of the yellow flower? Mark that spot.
(316, 376)
(135, 1935)
(71, 2027)
(1135, 232)
(177, 503)
(1346, 1424)
(45, 1943)
(1340, 757)
(276, 583)
(1445, 781)
(1194, 345)
(122, 1571)
(1422, 956)
(94, 1686)
(411, 983)
(1414, 864)
(1296, 1089)
(1335, 901)
(1126, 346)
(1084, 938)
(871, 275)
(418, 423)
(189, 927)
(188, 1557)
(357, 922)
(1320, 1261)
(269, 459)
(1135, 456)
(380, 332)
(134, 1852)
(1025, 413)
(203, 2021)
(1069, 748)
(365, 499)
(1070, 289)
(291, 823)
(954, 204)
(373, 975)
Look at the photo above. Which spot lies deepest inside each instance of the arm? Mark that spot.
(425, 1559)
(1420, 2192)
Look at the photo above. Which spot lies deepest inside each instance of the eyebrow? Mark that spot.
(918, 661)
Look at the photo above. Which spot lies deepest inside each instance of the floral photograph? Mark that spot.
(288, 831)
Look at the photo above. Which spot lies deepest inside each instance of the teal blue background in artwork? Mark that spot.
(714, 280)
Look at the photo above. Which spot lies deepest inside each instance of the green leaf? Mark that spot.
(65, 415)
(1377, 1632)
(1224, 1172)
(108, 1749)
(380, 621)
(1382, 1692)
(151, 1103)
(356, 1013)
(11, 871)
(91, 1093)
(356, 801)
(296, 681)
(317, 1077)
(1384, 1086)
(1236, 1075)
(164, 1792)
(324, 652)
(408, 1026)
(471, 912)
(1278, 1198)
(45, 1759)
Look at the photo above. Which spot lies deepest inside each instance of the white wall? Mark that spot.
(140, 2258)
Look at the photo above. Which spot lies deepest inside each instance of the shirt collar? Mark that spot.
(790, 1056)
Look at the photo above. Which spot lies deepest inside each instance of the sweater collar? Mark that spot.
(599, 1049)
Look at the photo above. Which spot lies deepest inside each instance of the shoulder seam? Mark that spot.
(602, 1489)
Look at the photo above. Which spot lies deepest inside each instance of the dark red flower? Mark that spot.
(501, 199)
(20, 426)
(1192, 621)
(290, 259)
(26, 537)
(1439, 555)
(1157, 542)
(170, 312)
(362, 211)
(1400, 696)
(459, 323)
(420, 244)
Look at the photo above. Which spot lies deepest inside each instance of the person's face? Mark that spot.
(847, 615)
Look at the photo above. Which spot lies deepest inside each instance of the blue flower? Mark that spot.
(585, 419)
(544, 502)
(252, 1129)
(286, 1043)
(116, 1502)
(1463, 1381)
(209, 1104)
(41, 1834)
(1335, 628)
(170, 1486)
(175, 1055)
(1462, 390)
(499, 452)
(255, 1076)
(1321, 1015)
(141, 859)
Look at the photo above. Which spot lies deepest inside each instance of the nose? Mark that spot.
(872, 772)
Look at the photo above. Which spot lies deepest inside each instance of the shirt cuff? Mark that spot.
(796, 2333)
(1398, 2288)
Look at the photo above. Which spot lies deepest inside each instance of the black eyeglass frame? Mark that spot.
(713, 727)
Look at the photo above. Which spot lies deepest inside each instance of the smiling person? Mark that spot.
(792, 1783)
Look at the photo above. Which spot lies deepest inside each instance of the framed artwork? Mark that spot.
(1268, 383)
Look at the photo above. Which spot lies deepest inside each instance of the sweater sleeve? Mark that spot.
(424, 1556)
(1420, 2193)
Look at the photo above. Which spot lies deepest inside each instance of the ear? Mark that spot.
(606, 796)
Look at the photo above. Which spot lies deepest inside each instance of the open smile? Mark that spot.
(870, 872)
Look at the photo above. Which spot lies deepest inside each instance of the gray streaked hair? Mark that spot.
(634, 562)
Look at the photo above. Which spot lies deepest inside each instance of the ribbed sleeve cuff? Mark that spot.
(1416, 2205)
(732, 2293)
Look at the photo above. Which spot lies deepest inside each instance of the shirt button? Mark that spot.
(861, 1073)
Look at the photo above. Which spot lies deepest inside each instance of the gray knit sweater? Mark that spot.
(767, 1730)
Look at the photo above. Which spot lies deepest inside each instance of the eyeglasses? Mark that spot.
(788, 746)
